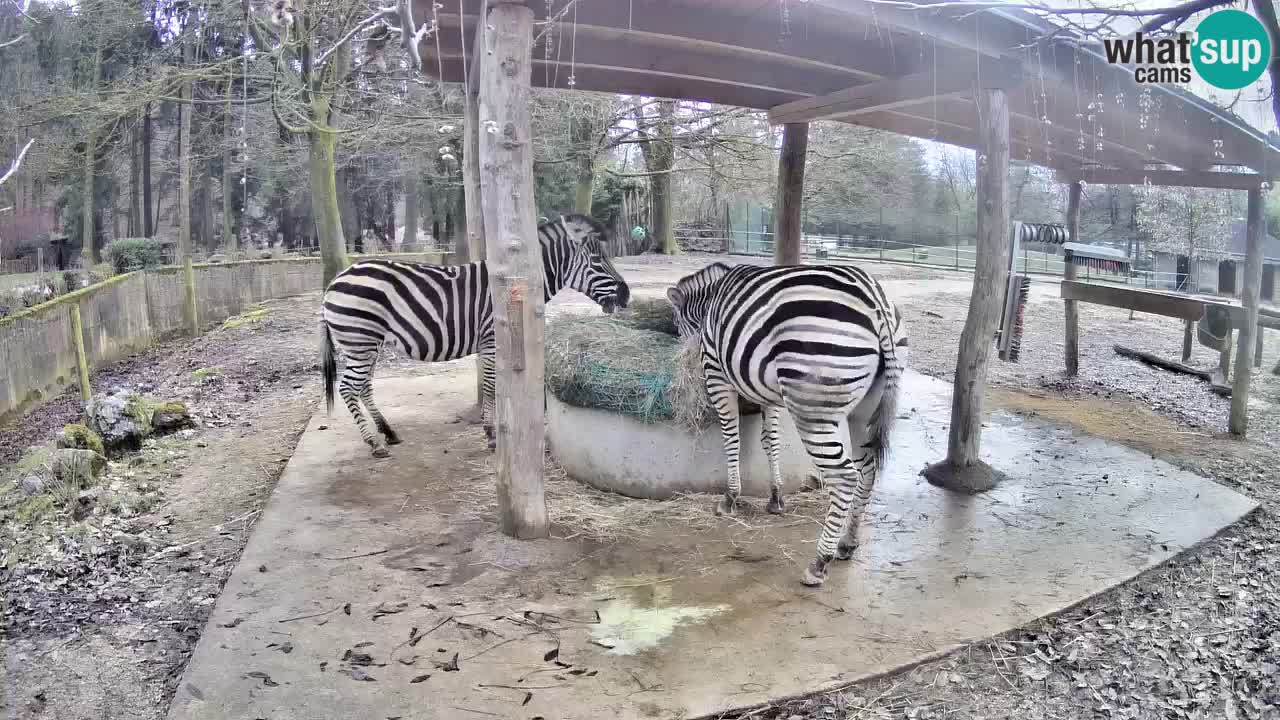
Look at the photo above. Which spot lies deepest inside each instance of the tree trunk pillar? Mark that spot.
(1071, 342)
(474, 245)
(787, 227)
(514, 259)
(962, 470)
(1239, 420)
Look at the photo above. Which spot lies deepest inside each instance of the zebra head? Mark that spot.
(691, 297)
(573, 256)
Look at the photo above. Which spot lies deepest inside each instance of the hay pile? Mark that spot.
(630, 363)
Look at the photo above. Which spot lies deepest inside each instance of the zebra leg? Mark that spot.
(827, 441)
(380, 422)
(355, 384)
(868, 469)
(770, 416)
(725, 400)
(488, 368)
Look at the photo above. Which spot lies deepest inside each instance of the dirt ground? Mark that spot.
(101, 616)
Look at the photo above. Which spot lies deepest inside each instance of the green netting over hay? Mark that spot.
(630, 363)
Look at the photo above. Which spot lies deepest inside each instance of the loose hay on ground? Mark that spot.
(632, 364)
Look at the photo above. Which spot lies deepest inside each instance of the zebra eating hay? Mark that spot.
(825, 343)
(444, 312)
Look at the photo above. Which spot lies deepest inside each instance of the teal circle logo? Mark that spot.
(1231, 49)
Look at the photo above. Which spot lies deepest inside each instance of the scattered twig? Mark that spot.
(361, 555)
(478, 712)
(313, 615)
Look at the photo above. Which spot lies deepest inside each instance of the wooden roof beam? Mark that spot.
(894, 93)
(1172, 178)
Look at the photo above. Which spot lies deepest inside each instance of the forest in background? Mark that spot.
(226, 127)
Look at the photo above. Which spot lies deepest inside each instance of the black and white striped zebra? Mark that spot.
(824, 342)
(444, 312)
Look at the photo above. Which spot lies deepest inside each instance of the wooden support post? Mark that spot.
(1257, 348)
(1188, 330)
(515, 266)
(471, 180)
(1224, 358)
(1071, 341)
(82, 358)
(1239, 421)
(962, 470)
(189, 292)
(787, 227)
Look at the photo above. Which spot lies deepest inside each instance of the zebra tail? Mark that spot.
(329, 365)
(887, 411)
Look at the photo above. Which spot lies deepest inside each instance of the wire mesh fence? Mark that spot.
(957, 252)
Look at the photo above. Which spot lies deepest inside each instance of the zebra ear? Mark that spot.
(674, 296)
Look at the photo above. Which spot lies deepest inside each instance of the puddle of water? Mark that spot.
(642, 620)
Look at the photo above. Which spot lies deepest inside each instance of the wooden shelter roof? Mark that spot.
(909, 71)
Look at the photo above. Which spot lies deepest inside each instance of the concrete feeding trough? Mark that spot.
(622, 454)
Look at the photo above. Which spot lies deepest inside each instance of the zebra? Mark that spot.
(444, 312)
(824, 342)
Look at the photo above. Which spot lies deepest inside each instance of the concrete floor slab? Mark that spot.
(354, 558)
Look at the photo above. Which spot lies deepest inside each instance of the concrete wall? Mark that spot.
(618, 453)
(128, 313)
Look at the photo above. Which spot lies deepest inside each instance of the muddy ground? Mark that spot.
(102, 613)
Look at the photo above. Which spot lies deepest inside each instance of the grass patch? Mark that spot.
(78, 435)
(253, 315)
(204, 375)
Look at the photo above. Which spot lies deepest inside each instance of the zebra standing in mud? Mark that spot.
(825, 343)
(444, 312)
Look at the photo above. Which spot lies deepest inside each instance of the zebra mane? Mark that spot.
(573, 222)
(702, 279)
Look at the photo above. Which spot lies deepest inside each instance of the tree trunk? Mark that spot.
(582, 136)
(1071, 344)
(389, 232)
(229, 179)
(88, 231)
(660, 159)
(788, 230)
(473, 250)
(515, 269)
(410, 242)
(324, 200)
(962, 470)
(135, 198)
(1238, 423)
(148, 223)
(184, 200)
(208, 237)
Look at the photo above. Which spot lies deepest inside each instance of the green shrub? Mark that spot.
(129, 254)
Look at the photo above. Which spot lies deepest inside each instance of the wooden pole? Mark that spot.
(471, 177)
(515, 266)
(1257, 348)
(962, 470)
(1239, 420)
(787, 226)
(1071, 343)
(1188, 330)
(82, 358)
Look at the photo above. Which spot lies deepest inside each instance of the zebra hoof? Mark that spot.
(727, 506)
(381, 452)
(844, 550)
(392, 438)
(815, 574)
(493, 444)
(776, 504)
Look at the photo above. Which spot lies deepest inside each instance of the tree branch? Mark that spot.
(16, 163)
(1182, 12)
(14, 41)
(386, 12)
(1267, 14)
